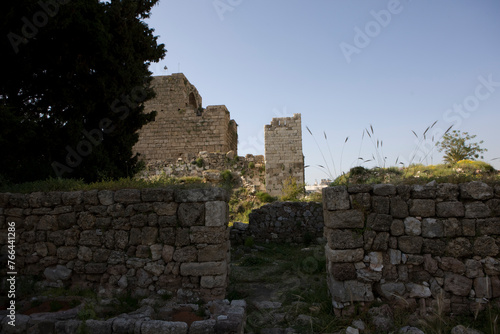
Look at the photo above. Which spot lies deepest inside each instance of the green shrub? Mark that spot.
(249, 242)
(251, 165)
(265, 197)
(226, 178)
(292, 191)
(199, 162)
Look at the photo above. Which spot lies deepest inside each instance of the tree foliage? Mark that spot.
(456, 147)
(72, 86)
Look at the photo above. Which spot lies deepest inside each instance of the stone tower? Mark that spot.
(182, 127)
(284, 157)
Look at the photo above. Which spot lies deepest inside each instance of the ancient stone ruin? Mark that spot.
(182, 127)
(184, 132)
(284, 158)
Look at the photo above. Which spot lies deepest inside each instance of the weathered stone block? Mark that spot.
(457, 284)
(399, 208)
(380, 204)
(494, 205)
(47, 223)
(447, 191)
(157, 195)
(432, 228)
(459, 247)
(336, 198)
(422, 207)
(212, 253)
(165, 327)
(128, 196)
(384, 189)
(149, 235)
(476, 190)
(358, 291)
(72, 198)
(186, 254)
(203, 327)
(413, 226)
(105, 197)
(379, 222)
(477, 210)
(410, 244)
(191, 214)
(95, 268)
(90, 238)
(485, 246)
(397, 227)
(67, 253)
(203, 268)
(216, 213)
(391, 290)
(165, 209)
(208, 234)
(344, 219)
(201, 195)
(361, 201)
(423, 191)
(435, 247)
(489, 226)
(452, 264)
(343, 271)
(450, 209)
(210, 282)
(473, 268)
(344, 239)
(344, 255)
(418, 290)
(381, 241)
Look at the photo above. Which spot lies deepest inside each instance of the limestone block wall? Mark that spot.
(143, 241)
(283, 152)
(182, 126)
(247, 171)
(282, 222)
(413, 245)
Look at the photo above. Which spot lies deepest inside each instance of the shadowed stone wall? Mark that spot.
(141, 241)
(282, 222)
(413, 244)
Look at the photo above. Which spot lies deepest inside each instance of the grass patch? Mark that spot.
(462, 171)
(54, 184)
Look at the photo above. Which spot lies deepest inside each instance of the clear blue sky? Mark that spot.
(344, 65)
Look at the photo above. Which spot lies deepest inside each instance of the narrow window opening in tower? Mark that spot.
(192, 101)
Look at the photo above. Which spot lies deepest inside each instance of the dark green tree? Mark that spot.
(456, 147)
(74, 77)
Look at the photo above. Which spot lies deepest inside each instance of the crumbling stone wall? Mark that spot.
(182, 126)
(247, 171)
(282, 222)
(284, 158)
(138, 240)
(413, 245)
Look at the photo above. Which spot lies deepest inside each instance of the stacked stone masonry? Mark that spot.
(182, 126)
(229, 318)
(284, 157)
(148, 241)
(248, 171)
(282, 222)
(413, 245)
